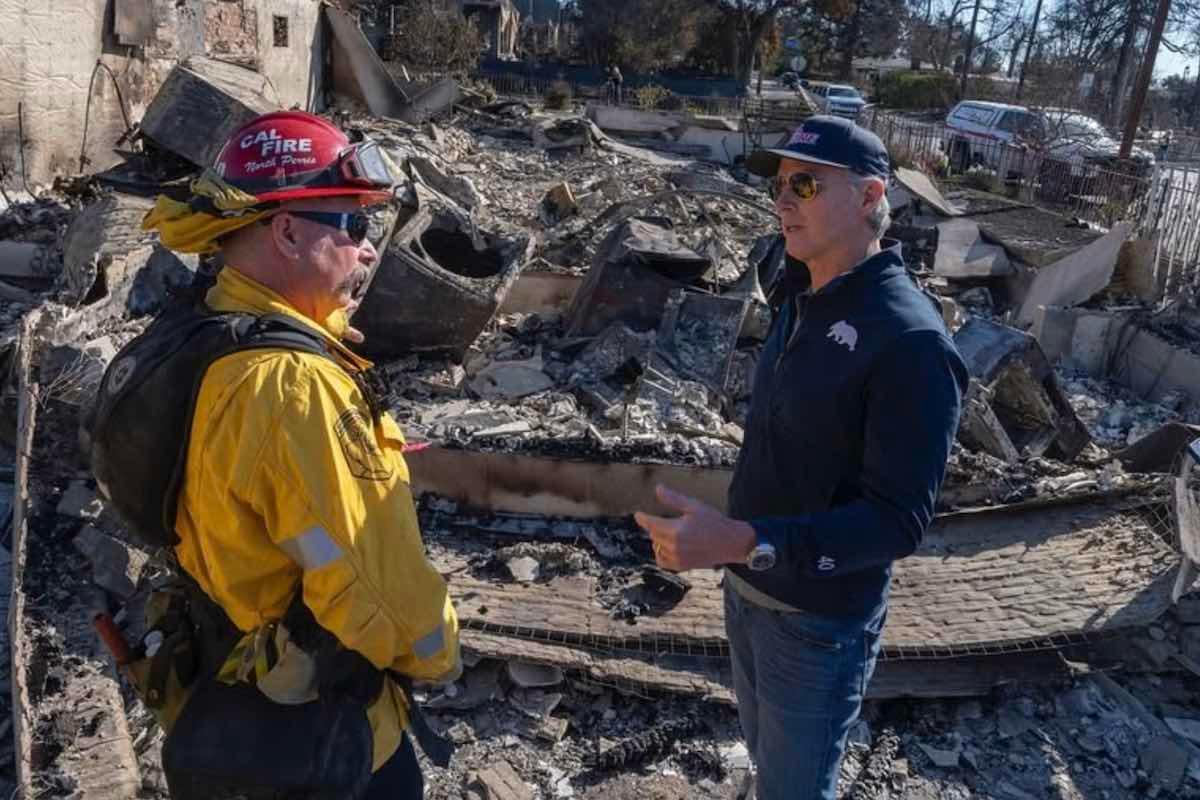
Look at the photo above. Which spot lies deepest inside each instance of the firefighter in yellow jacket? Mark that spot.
(293, 482)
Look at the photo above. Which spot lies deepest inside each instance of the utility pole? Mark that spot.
(1143, 84)
(1037, 13)
(1195, 98)
(970, 47)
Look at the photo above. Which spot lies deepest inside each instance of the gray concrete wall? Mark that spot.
(48, 50)
(295, 70)
(1110, 344)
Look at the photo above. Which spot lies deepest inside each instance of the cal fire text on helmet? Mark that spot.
(273, 143)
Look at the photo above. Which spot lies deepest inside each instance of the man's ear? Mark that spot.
(284, 235)
(873, 189)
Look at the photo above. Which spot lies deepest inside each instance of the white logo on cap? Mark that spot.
(802, 136)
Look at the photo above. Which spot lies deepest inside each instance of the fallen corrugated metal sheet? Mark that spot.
(1035, 576)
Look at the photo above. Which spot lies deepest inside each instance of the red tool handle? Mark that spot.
(114, 640)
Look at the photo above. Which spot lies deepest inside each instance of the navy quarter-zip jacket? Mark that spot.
(854, 408)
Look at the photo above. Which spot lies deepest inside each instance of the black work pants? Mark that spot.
(398, 779)
(400, 776)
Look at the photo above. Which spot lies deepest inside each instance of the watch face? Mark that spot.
(762, 558)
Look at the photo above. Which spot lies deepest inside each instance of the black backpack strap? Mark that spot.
(250, 332)
(279, 330)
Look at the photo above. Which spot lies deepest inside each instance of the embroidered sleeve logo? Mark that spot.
(366, 460)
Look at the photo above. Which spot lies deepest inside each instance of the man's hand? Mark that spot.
(353, 335)
(701, 537)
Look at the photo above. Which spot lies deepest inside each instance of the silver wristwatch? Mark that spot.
(761, 558)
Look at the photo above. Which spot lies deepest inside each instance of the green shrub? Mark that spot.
(673, 102)
(936, 163)
(982, 178)
(902, 156)
(979, 88)
(650, 95)
(918, 91)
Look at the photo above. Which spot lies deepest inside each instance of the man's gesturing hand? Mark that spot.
(701, 537)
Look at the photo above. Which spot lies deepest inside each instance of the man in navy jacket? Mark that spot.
(855, 404)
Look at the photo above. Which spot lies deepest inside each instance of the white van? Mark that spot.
(975, 129)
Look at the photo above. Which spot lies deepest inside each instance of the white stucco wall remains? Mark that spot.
(49, 48)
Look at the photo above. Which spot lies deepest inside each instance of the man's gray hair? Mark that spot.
(880, 218)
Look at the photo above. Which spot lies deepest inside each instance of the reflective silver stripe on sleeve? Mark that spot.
(430, 644)
(312, 549)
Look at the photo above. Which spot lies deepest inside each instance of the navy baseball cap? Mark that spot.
(832, 141)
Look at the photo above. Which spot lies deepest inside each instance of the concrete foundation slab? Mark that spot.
(1075, 278)
(924, 189)
(1033, 235)
(962, 253)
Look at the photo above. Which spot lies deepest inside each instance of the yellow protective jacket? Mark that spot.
(289, 483)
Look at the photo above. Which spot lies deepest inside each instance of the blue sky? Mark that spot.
(1167, 63)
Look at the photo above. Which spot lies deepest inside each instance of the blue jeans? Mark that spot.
(800, 680)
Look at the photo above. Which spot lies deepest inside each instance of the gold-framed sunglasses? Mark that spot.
(803, 185)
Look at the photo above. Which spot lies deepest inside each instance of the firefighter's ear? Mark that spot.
(285, 236)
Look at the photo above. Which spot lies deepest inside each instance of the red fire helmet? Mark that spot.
(288, 155)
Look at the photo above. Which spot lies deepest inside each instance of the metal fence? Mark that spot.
(1097, 191)
(1170, 216)
(535, 87)
(1162, 201)
(1181, 147)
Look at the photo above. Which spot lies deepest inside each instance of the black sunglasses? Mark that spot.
(803, 185)
(356, 224)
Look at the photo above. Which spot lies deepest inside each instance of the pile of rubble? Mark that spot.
(567, 319)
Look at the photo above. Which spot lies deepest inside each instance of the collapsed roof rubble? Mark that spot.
(600, 310)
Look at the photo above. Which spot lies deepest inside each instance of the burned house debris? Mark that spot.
(500, 21)
(435, 260)
(567, 319)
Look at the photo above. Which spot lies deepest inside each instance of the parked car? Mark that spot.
(977, 130)
(1073, 136)
(837, 99)
(790, 79)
